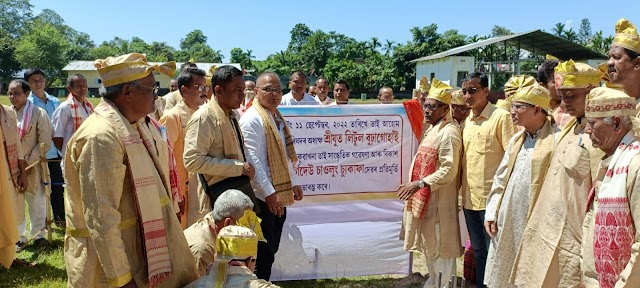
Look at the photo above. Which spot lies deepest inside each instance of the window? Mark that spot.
(461, 75)
(431, 76)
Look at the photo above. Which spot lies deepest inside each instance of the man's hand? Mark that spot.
(248, 170)
(297, 192)
(22, 182)
(405, 191)
(275, 204)
(491, 227)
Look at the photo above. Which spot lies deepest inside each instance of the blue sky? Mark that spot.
(264, 26)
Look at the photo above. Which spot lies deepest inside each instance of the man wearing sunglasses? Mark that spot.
(485, 137)
(550, 248)
(192, 87)
(518, 180)
(430, 214)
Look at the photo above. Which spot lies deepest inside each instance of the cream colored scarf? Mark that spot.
(277, 156)
(10, 130)
(142, 159)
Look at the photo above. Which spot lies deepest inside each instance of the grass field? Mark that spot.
(50, 270)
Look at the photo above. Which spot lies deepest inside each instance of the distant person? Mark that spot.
(72, 112)
(13, 179)
(249, 94)
(270, 150)
(201, 236)
(298, 94)
(385, 95)
(423, 88)
(459, 109)
(191, 84)
(208, 77)
(173, 85)
(546, 78)
(312, 90)
(322, 85)
(33, 128)
(174, 97)
(235, 262)
(340, 93)
(42, 99)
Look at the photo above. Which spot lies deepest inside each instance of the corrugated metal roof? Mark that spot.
(537, 41)
(88, 65)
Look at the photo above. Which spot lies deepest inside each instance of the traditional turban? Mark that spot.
(571, 75)
(129, 67)
(236, 242)
(627, 36)
(440, 91)
(534, 95)
(606, 102)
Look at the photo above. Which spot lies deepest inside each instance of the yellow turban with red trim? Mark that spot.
(129, 67)
(607, 102)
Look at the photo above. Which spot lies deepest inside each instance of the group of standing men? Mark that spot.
(548, 176)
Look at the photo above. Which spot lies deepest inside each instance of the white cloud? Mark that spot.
(568, 23)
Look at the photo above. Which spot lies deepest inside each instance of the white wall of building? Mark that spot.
(445, 69)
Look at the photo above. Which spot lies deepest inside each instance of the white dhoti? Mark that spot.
(36, 200)
(437, 265)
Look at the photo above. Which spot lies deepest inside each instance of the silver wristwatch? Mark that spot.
(421, 184)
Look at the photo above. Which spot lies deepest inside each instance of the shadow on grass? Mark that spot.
(49, 270)
(411, 281)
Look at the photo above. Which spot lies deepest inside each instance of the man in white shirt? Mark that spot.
(341, 93)
(69, 115)
(322, 84)
(298, 94)
(275, 184)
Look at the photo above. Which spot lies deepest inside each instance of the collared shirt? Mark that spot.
(202, 243)
(307, 99)
(485, 139)
(50, 106)
(326, 101)
(255, 141)
(62, 121)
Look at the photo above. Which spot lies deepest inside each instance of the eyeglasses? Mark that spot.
(432, 107)
(153, 88)
(471, 91)
(270, 90)
(200, 87)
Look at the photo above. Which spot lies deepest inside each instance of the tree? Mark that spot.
(43, 46)
(194, 37)
(558, 29)
(161, 52)
(571, 35)
(244, 58)
(584, 33)
(15, 14)
(299, 35)
(500, 31)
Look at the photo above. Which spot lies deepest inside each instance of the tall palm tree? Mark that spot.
(558, 29)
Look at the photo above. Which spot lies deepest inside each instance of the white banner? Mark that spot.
(352, 159)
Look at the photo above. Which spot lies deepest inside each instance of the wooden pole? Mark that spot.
(46, 177)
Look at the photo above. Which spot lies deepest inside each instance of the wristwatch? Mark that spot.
(421, 184)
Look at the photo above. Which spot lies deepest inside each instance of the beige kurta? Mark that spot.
(630, 276)
(104, 243)
(202, 243)
(175, 121)
(8, 225)
(39, 131)
(205, 151)
(549, 255)
(442, 207)
(172, 99)
(236, 277)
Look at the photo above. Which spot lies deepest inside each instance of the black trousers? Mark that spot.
(480, 241)
(272, 230)
(57, 190)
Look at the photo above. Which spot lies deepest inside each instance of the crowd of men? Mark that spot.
(191, 189)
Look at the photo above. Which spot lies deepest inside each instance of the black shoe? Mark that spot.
(20, 245)
(41, 242)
